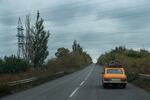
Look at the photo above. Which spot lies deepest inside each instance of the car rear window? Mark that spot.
(114, 71)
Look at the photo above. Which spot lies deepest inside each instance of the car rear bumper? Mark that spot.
(114, 81)
(111, 82)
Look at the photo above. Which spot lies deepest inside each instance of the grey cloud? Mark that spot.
(97, 25)
(66, 13)
(130, 17)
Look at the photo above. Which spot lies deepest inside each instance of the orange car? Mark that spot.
(114, 76)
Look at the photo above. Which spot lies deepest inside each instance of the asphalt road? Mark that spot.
(81, 85)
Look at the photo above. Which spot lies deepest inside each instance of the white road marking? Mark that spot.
(89, 74)
(82, 83)
(74, 92)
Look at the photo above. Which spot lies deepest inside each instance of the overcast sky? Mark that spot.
(99, 25)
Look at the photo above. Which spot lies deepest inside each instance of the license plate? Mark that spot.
(116, 80)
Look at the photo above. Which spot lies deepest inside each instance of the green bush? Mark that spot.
(131, 76)
(72, 61)
(132, 53)
(12, 64)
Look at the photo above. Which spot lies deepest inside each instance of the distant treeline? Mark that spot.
(136, 61)
(70, 60)
(65, 60)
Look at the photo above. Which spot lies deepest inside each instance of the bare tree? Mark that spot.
(28, 42)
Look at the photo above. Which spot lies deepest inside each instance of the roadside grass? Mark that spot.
(142, 82)
(5, 89)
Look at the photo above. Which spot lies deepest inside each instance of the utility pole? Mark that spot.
(20, 37)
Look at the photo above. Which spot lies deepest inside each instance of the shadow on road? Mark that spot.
(109, 87)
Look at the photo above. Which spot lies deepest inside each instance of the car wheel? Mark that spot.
(104, 85)
(123, 86)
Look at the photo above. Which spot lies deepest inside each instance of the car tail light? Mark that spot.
(123, 79)
(106, 79)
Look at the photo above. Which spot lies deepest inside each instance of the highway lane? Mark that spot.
(93, 90)
(81, 85)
